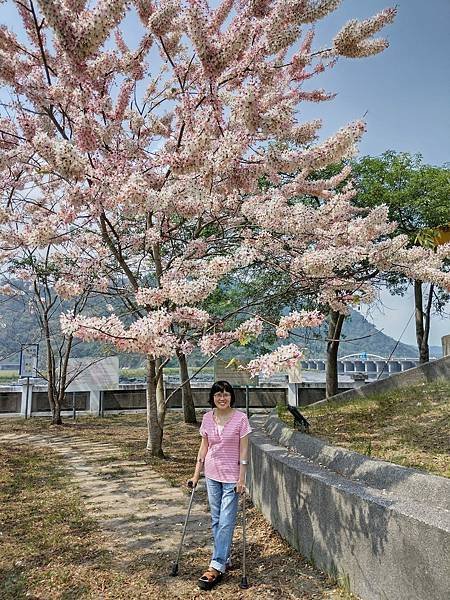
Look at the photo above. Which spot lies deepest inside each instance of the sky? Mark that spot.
(405, 90)
(404, 94)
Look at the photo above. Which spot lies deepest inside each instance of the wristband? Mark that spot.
(243, 462)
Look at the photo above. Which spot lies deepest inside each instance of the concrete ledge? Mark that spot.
(436, 369)
(385, 542)
(403, 482)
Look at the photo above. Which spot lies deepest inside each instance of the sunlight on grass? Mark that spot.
(409, 427)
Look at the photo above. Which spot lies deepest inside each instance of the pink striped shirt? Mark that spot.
(222, 458)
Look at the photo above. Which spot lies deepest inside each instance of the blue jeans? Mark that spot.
(223, 502)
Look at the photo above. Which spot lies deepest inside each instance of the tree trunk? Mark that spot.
(52, 393)
(154, 428)
(187, 399)
(55, 398)
(422, 321)
(53, 402)
(56, 413)
(160, 394)
(335, 322)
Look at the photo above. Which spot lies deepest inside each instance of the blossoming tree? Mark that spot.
(48, 278)
(152, 149)
(417, 197)
(338, 250)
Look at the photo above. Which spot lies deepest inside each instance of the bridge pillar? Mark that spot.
(360, 366)
(382, 367)
(349, 366)
(394, 366)
(407, 364)
(371, 367)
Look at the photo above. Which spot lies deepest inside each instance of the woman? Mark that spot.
(223, 453)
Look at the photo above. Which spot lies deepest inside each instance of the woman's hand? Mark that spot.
(240, 487)
(192, 482)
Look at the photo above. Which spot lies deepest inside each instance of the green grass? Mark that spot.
(141, 372)
(409, 427)
(8, 377)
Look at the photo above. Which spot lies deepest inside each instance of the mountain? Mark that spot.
(19, 325)
(358, 336)
(371, 340)
(436, 351)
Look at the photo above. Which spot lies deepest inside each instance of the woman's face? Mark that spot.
(222, 400)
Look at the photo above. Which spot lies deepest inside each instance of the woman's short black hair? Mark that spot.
(221, 386)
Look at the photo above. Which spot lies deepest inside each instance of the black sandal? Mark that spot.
(209, 579)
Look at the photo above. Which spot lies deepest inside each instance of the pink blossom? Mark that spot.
(353, 39)
(299, 319)
(150, 296)
(284, 357)
(67, 289)
(142, 177)
(212, 343)
(251, 327)
(195, 317)
(148, 335)
(7, 290)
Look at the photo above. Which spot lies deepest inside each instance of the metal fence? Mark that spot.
(135, 399)
(10, 402)
(40, 401)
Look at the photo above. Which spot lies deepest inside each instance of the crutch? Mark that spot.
(174, 572)
(244, 581)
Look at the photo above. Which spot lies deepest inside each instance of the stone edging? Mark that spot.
(431, 371)
(384, 544)
(403, 482)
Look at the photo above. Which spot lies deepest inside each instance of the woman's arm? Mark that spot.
(243, 458)
(200, 460)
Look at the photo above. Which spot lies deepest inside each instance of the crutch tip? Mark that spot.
(174, 571)
(244, 585)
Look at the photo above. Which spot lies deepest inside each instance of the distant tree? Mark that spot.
(418, 198)
(35, 279)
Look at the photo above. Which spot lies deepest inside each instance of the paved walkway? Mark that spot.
(132, 502)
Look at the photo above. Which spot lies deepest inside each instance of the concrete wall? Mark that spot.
(10, 401)
(445, 345)
(436, 369)
(383, 529)
(310, 393)
(134, 399)
(34, 401)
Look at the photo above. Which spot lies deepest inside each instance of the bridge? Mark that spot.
(364, 362)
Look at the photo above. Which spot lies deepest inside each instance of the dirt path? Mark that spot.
(142, 517)
(129, 500)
